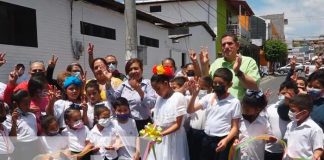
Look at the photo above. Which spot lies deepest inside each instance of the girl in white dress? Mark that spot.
(170, 107)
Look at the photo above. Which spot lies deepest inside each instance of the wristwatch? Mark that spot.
(239, 74)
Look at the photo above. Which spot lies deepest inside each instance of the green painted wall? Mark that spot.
(221, 23)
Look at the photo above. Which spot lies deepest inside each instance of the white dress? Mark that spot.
(173, 146)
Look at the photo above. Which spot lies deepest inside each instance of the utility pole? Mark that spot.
(131, 29)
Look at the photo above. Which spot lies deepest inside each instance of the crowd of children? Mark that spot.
(72, 117)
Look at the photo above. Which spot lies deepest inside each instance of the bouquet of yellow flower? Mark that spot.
(153, 134)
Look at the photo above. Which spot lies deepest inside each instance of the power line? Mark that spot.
(187, 11)
(219, 13)
(205, 9)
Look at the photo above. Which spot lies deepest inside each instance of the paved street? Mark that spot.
(273, 83)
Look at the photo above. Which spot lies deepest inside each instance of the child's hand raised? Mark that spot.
(14, 116)
(193, 86)
(54, 94)
(84, 104)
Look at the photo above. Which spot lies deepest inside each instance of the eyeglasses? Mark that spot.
(257, 93)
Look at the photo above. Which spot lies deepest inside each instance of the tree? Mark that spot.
(276, 51)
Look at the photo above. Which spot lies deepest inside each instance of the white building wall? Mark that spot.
(185, 11)
(53, 20)
(200, 37)
(53, 32)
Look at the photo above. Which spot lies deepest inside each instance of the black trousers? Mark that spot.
(140, 124)
(194, 138)
(208, 148)
(273, 156)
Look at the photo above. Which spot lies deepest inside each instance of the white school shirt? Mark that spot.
(219, 115)
(278, 128)
(55, 143)
(128, 133)
(304, 139)
(59, 107)
(197, 119)
(103, 139)
(76, 138)
(6, 146)
(260, 126)
(27, 128)
(90, 112)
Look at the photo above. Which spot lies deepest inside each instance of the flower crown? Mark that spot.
(162, 70)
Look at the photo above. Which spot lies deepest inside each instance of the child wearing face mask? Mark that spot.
(6, 145)
(277, 115)
(253, 123)
(304, 137)
(72, 99)
(223, 112)
(127, 131)
(76, 133)
(94, 99)
(316, 90)
(103, 135)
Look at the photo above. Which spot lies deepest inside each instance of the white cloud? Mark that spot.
(305, 17)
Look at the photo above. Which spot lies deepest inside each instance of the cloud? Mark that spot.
(305, 17)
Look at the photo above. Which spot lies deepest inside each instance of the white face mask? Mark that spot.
(293, 115)
(78, 124)
(112, 67)
(281, 98)
(105, 122)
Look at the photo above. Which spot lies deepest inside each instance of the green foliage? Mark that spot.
(275, 50)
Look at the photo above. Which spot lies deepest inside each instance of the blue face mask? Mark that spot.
(314, 92)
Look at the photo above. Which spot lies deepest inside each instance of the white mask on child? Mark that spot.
(78, 124)
(105, 122)
(293, 115)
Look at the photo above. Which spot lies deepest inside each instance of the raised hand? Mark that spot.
(237, 64)
(84, 104)
(14, 116)
(193, 55)
(106, 72)
(90, 49)
(2, 58)
(84, 78)
(193, 86)
(293, 62)
(203, 55)
(13, 76)
(54, 94)
(52, 62)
